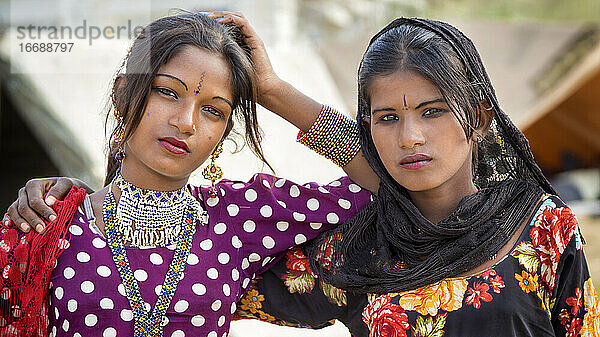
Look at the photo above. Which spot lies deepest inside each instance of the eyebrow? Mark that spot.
(422, 104)
(175, 78)
(437, 100)
(383, 109)
(225, 100)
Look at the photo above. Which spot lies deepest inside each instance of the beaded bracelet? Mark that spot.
(333, 135)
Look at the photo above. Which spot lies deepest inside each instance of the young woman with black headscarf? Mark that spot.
(465, 236)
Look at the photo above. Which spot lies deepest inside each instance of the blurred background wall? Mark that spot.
(543, 57)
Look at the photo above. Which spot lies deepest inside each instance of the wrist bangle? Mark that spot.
(332, 135)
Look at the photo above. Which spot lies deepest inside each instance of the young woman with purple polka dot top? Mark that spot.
(250, 225)
(169, 121)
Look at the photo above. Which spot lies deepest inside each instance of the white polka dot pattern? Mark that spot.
(199, 289)
(69, 273)
(75, 230)
(107, 303)
(249, 224)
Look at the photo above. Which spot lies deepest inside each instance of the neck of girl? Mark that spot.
(438, 203)
(144, 177)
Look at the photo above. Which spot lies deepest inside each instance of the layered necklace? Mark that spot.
(150, 219)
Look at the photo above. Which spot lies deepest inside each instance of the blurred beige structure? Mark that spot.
(546, 74)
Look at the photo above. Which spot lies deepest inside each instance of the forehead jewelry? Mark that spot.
(197, 91)
(405, 105)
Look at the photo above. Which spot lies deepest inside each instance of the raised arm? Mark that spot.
(288, 102)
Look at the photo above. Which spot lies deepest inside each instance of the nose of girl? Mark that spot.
(410, 134)
(183, 120)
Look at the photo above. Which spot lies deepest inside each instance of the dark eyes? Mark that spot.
(388, 118)
(427, 113)
(172, 94)
(167, 92)
(213, 111)
(433, 112)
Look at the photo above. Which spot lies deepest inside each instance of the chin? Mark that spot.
(417, 187)
(172, 171)
(416, 183)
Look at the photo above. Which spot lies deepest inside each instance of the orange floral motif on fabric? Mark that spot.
(527, 282)
(571, 323)
(495, 281)
(252, 301)
(445, 295)
(251, 305)
(477, 294)
(386, 319)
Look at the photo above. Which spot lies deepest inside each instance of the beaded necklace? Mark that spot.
(151, 218)
(149, 324)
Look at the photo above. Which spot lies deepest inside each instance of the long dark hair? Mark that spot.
(155, 46)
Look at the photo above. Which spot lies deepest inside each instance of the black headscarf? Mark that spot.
(389, 246)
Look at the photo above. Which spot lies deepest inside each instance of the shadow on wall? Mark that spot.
(21, 154)
(33, 142)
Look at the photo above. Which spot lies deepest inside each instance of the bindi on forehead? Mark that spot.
(199, 87)
(405, 107)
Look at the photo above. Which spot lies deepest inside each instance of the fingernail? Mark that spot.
(39, 228)
(52, 217)
(50, 200)
(6, 222)
(24, 227)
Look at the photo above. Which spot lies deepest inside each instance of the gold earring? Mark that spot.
(119, 134)
(213, 172)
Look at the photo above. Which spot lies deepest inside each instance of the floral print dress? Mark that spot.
(541, 288)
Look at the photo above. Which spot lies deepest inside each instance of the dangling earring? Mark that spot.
(478, 140)
(213, 172)
(119, 133)
(120, 155)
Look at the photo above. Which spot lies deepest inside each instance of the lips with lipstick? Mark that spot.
(415, 162)
(174, 145)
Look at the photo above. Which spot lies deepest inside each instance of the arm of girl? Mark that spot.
(289, 294)
(35, 201)
(565, 286)
(287, 101)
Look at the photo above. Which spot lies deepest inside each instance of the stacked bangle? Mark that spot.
(333, 135)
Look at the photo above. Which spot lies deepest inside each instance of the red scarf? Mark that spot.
(26, 263)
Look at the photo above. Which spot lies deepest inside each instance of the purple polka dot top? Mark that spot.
(250, 226)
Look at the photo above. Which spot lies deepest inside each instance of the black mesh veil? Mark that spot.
(390, 247)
